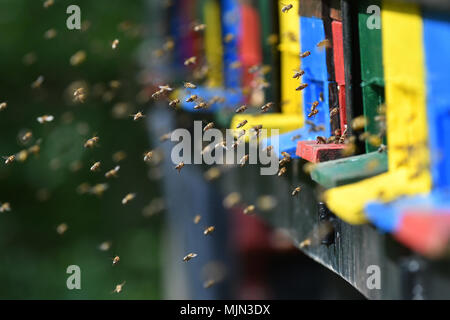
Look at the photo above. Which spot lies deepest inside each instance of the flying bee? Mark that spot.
(249, 209)
(192, 98)
(199, 27)
(257, 127)
(3, 106)
(62, 228)
(119, 156)
(45, 118)
(268, 149)
(235, 144)
(282, 171)
(301, 86)
(201, 105)
(115, 260)
(382, 148)
(208, 126)
(244, 160)
(148, 156)
(286, 8)
(241, 109)
(284, 161)
(5, 207)
(313, 113)
(112, 173)
(179, 166)
(189, 85)
(209, 284)
(296, 191)
(298, 74)
(321, 140)
(115, 44)
(305, 243)
(241, 124)
(9, 159)
(95, 166)
(266, 107)
(324, 44)
(314, 105)
(91, 142)
(197, 218)
(190, 61)
(228, 38)
(79, 95)
(119, 287)
(240, 134)
(128, 198)
(165, 88)
(98, 189)
(189, 256)
(104, 246)
(174, 103)
(359, 123)
(296, 137)
(137, 116)
(285, 154)
(38, 82)
(209, 230)
(165, 137)
(26, 136)
(157, 94)
(305, 54)
(48, 3)
(334, 112)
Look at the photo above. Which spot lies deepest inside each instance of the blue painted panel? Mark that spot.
(231, 25)
(233, 98)
(437, 52)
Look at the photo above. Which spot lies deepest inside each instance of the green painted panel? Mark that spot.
(335, 173)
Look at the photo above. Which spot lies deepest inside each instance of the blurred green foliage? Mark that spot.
(42, 190)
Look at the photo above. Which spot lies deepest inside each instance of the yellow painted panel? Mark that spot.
(213, 43)
(408, 154)
(290, 59)
(280, 121)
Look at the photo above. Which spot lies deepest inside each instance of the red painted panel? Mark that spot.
(342, 110)
(425, 232)
(314, 152)
(338, 52)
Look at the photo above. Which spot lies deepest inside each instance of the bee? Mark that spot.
(382, 148)
(3, 106)
(284, 161)
(50, 34)
(38, 82)
(98, 189)
(192, 98)
(240, 134)
(157, 94)
(115, 44)
(201, 105)
(174, 103)
(296, 137)
(209, 230)
(321, 140)
(334, 112)
(48, 3)
(179, 166)
(104, 246)
(5, 207)
(189, 85)
(79, 95)
(241, 124)
(165, 88)
(197, 219)
(244, 160)
(305, 54)
(165, 137)
(208, 126)
(343, 136)
(272, 39)
(249, 209)
(268, 149)
(148, 156)
(119, 287)
(199, 27)
(257, 127)
(301, 86)
(78, 58)
(115, 260)
(45, 118)
(241, 109)
(169, 45)
(314, 105)
(26, 136)
(359, 123)
(222, 144)
(298, 74)
(137, 116)
(235, 144)
(9, 159)
(266, 107)
(296, 191)
(209, 284)
(228, 38)
(305, 243)
(62, 228)
(189, 256)
(128, 198)
(119, 156)
(282, 171)
(112, 173)
(313, 113)
(324, 44)
(91, 142)
(190, 61)
(95, 166)
(285, 154)
(286, 8)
